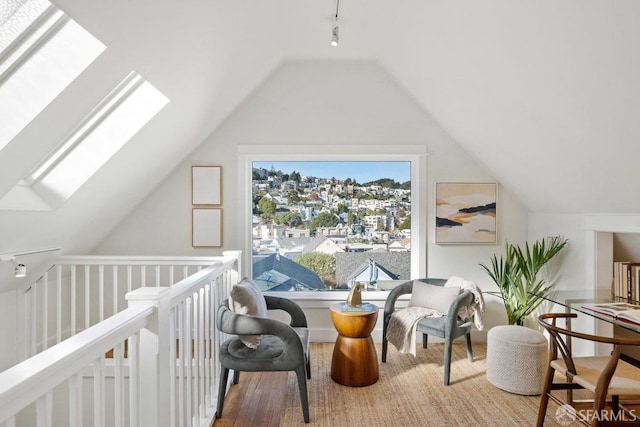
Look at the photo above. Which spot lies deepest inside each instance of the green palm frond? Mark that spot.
(517, 275)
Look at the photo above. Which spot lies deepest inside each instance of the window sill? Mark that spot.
(324, 299)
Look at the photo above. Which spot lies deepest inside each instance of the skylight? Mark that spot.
(97, 138)
(41, 52)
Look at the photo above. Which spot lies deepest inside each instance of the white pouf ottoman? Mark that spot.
(517, 359)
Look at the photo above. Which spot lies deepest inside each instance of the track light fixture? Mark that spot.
(20, 270)
(334, 35)
(334, 31)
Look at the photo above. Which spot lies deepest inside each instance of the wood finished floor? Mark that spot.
(271, 399)
(263, 408)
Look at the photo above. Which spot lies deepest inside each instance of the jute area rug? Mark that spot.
(410, 392)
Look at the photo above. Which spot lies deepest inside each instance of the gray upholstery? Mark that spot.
(448, 327)
(284, 347)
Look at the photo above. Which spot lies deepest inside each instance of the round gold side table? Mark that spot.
(355, 361)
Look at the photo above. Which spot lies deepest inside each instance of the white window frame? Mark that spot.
(415, 154)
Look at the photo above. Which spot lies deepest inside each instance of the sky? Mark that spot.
(360, 171)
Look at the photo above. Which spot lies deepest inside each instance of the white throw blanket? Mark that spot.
(474, 311)
(401, 331)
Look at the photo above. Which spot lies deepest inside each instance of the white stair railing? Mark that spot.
(163, 367)
(28, 390)
(80, 291)
(187, 344)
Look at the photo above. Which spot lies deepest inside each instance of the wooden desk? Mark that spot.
(355, 361)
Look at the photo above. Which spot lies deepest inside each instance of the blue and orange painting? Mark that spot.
(465, 212)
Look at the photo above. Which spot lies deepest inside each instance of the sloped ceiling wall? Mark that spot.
(314, 104)
(544, 93)
(196, 57)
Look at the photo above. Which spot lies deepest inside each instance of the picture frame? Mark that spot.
(206, 185)
(466, 212)
(206, 227)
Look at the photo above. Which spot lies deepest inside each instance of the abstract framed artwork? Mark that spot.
(466, 212)
(206, 227)
(206, 185)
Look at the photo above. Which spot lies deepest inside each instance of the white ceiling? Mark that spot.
(546, 93)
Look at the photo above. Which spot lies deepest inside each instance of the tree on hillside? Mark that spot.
(324, 219)
(267, 208)
(295, 176)
(290, 219)
(406, 224)
(293, 196)
(324, 265)
(351, 218)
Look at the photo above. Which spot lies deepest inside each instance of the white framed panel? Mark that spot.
(206, 185)
(206, 227)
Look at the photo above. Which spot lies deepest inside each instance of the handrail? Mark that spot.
(169, 326)
(50, 317)
(188, 286)
(41, 373)
(134, 260)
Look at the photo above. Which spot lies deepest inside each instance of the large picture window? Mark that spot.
(324, 224)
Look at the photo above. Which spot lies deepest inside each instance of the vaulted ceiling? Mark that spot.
(545, 93)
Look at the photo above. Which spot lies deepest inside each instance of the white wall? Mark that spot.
(328, 103)
(576, 257)
(8, 320)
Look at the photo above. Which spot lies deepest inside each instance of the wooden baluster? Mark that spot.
(100, 293)
(58, 303)
(72, 300)
(134, 380)
(87, 297)
(75, 400)
(45, 312)
(114, 284)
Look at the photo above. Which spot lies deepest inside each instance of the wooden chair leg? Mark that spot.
(236, 376)
(222, 391)
(544, 398)
(447, 360)
(384, 342)
(615, 403)
(424, 340)
(469, 348)
(304, 399)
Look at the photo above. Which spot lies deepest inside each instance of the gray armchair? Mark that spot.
(282, 347)
(448, 327)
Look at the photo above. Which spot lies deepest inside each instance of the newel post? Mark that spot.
(152, 400)
(237, 254)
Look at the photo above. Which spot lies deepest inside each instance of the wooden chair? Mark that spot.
(603, 376)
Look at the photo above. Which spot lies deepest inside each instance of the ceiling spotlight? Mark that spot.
(334, 31)
(20, 270)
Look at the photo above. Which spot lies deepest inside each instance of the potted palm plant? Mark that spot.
(517, 275)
